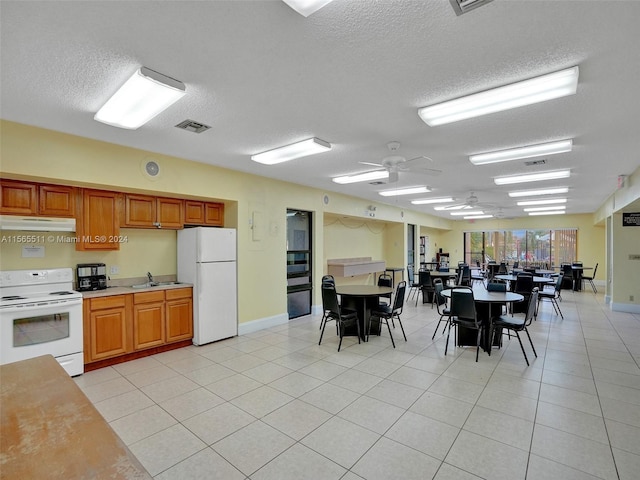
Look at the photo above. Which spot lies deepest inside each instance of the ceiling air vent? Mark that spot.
(192, 126)
(464, 6)
(536, 162)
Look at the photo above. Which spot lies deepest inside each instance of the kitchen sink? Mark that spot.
(155, 284)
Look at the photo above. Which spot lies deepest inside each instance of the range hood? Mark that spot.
(37, 224)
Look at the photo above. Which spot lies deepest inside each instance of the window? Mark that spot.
(534, 248)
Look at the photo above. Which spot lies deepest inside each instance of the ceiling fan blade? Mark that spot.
(372, 164)
(421, 157)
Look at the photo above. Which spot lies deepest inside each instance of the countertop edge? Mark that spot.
(110, 291)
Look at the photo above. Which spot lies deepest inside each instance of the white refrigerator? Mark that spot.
(207, 259)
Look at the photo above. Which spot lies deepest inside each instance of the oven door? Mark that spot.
(32, 330)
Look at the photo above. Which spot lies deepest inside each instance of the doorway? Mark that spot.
(299, 255)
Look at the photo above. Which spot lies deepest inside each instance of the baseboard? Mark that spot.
(625, 307)
(262, 323)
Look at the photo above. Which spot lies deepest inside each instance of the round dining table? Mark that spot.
(363, 299)
(513, 278)
(488, 305)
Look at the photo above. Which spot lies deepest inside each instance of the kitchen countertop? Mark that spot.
(50, 429)
(126, 290)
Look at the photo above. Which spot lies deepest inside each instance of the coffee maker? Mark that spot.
(91, 276)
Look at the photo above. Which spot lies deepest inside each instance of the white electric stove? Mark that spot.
(41, 314)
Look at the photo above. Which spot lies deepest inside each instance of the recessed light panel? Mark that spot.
(362, 177)
(426, 201)
(532, 177)
(304, 148)
(541, 191)
(404, 191)
(529, 151)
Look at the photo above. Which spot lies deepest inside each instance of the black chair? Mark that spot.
(440, 300)
(523, 286)
(386, 313)
(553, 296)
(465, 276)
(413, 285)
(590, 279)
(567, 281)
(515, 264)
(426, 286)
(463, 314)
(329, 279)
(385, 280)
(343, 318)
(518, 324)
(498, 287)
(502, 269)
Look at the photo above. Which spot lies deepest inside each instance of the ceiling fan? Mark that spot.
(472, 202)
(394, 164)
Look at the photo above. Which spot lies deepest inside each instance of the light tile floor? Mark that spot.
(275, 405)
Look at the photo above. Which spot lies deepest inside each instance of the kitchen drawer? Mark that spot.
(102, 303)
(148, 297)
(175, 293)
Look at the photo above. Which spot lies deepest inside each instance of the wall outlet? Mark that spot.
(114, 270)
(631, 298)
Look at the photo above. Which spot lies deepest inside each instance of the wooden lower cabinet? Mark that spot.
(105, 327)
(123, 327)
(148, 319)
(179, 314)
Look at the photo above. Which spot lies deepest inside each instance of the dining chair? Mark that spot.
(413, 285)
(389, 312)
(590, 279)
(523, 286)
(567, 282)
(439, 300)
(553, 296)
(465, 276)
(463, 314)
(385, 280)
(426, 286)
(518, 324)
(326, 279)
(496, 286)
(343, 318)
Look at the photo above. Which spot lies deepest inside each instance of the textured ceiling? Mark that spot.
(354, 74)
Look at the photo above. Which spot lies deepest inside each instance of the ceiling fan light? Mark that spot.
(425, 201)
(306, 7)
(529, 151)
(307, 147)
(551, 201)
(143, 96)
(362, 177)
(542, 191)
(534, 90)
(404, 191)
(532, 177)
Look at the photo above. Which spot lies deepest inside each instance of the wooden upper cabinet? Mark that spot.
(145, 211)
(203, 213)
(56, 200)
(98, 228)
(23, 198)
(170, 213)
(18, 198)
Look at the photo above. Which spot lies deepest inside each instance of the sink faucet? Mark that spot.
(150, 277)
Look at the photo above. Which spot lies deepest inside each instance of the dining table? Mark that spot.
(536, 279)
(488, 305)
(363, 299)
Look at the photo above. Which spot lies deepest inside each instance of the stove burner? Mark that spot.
(63, 292)
(13, 297)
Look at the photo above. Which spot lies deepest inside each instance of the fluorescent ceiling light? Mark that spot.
(304, 148)
(477, 217)
(532, 177)
(542, 209)
(362, 177)
(534, 90)
(404, 191)
(550, 201)
(426, 201)
(142, 97)
(554, 212)
(542, 191)
(477, 212)
(529, 151)
(306, 7)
